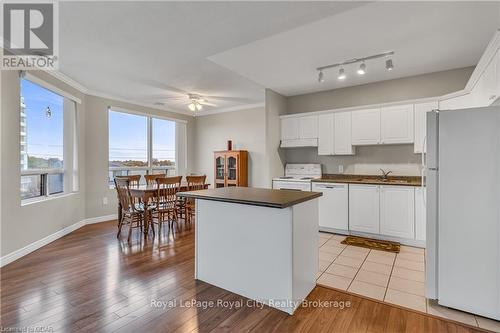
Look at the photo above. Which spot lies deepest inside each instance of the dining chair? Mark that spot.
(132, 212)
(151, 179)
(165, 209)
(194, 183)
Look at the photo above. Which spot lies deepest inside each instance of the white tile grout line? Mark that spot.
(359, 269)
(388, 281)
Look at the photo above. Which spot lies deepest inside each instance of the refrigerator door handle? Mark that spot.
(424, 162)
(424, 201)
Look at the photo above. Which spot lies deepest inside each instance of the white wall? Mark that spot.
(23, 225)
(399, 158)
(247, 130)
(96, 153)
(276, 105)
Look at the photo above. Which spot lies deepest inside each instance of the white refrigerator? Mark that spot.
(462, 180)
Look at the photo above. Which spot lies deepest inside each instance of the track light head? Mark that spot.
(389, 65)
(362, 69)
(321, 77)
(342, 75)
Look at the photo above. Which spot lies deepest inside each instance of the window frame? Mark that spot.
(70, 147)
(149, 142)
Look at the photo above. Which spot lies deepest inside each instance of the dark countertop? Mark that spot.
(253, 196)
(370, 180)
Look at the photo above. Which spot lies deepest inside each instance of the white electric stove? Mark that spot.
(297, 177)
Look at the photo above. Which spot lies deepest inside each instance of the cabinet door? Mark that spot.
(333, 205)
(396, 124)
(420, 121)
(420, 214)
(325, 134)
(366, 127)
(364, 208)
(342, 134)
(397, 211)
(289, 128)
(308, 127)
(232, 161)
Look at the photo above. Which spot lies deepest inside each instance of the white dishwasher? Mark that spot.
(333, 207)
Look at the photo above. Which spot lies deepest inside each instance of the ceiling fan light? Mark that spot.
(192, 106)
(198, 106)
(342, 75)
(362, 69)
(389, 65)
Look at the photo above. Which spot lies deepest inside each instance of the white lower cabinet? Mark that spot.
(364, 208)
(397, 211)
(420, 214)
(333, 205)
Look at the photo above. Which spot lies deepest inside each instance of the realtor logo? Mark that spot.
(29, 38)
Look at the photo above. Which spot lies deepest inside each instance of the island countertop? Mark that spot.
(253, 196)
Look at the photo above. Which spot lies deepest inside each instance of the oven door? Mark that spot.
(290, 185)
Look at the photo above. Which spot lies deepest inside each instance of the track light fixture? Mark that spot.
(362, 67)
(342, 75)
(321, 77)
(389, 65)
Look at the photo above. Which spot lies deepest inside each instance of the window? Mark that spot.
(45, 122)
(140, 145)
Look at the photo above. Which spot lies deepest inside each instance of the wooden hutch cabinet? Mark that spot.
(231, 168)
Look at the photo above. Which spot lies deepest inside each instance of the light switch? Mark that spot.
(104, 201)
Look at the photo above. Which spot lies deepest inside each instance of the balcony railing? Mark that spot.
(41, 183)
(129, 171)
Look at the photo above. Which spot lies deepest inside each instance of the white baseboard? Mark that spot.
(100, 219)
(13, 256)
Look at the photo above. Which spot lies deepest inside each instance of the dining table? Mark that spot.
(145, 193)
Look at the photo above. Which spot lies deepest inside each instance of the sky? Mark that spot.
(44, 135)
(127, 132)
(128, 137)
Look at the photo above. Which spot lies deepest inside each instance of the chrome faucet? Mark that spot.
(385, 174)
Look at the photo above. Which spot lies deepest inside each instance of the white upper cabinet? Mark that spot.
(366, 127)
(420, 111)
(397, 211)
(326, 134)
(342, 134)
(299, 131)
(289, 128)
(364, 208)
(308, 127)
(396, 124)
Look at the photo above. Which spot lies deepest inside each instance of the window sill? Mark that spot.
(36, 200)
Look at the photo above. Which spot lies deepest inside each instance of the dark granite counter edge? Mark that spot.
(313, 195)
(414, 181)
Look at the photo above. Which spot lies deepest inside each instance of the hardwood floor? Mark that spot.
(88, 281)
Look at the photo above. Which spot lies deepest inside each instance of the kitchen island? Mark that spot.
(258, 243)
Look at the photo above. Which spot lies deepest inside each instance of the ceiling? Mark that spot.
(157, 52)
(228, 52)
(425, 36)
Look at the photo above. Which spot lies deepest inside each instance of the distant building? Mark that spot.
(24, 143)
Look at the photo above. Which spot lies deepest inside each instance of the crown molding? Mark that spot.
(96, 93)
(69, 81)
(231, 109)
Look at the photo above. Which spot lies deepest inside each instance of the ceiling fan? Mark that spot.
(193, 101)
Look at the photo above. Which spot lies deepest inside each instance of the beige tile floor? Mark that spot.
(393, 278)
